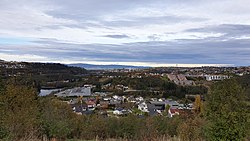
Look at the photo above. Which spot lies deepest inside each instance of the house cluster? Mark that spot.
(82, 105)
(11, 65)
(180, 79)
(159, 106)
(103, 105)
(109, 86)
(114, 105)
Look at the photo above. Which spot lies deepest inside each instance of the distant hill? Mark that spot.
(105, 67)
(52, 71)
(46, 75)
(39, 68)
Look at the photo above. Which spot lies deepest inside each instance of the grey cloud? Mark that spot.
(92, 9)
(228, 29)
(184, 51)
(91, 13)
(154, 37)
(118, 36)
(142, 21)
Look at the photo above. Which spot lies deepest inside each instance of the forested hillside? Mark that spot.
(42, 74)
(245, 83)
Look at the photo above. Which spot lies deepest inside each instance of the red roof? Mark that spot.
(174, 111)
(90, 102)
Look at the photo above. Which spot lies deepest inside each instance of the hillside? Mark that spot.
(245, 83)
(45, 74)
(11, 68)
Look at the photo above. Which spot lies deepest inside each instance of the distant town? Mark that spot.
(119, 92)
(66, 102)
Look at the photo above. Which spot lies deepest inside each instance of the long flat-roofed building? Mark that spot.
(216, 77)
(78, 91)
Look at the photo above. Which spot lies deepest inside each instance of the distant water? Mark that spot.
(45, 92)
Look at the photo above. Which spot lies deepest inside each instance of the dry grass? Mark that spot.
(97, 139)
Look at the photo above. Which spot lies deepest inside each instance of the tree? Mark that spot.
(198, 105)
(1, 86)
(57, 118)
(20, 111)
(191, 129)
(3, 131)
(226, 112)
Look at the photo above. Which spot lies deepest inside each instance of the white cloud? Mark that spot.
(31, 20)
(89, 22)
(23, 57)
(143, 64)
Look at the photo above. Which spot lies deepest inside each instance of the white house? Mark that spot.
(143, 107)
(117, 112)
(216, 77)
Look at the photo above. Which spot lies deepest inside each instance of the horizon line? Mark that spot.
(140, 64)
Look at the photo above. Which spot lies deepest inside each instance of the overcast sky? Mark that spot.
(137, 32)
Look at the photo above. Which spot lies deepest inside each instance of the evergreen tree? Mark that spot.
(3, 131)
(191, 129)
(57, 118)
(20, 111)
(226, 112)
(1, 86)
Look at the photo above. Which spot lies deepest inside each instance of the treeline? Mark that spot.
(40, 68)
(25, 116)
(168, 88)
(51, 75)
(245, 83)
